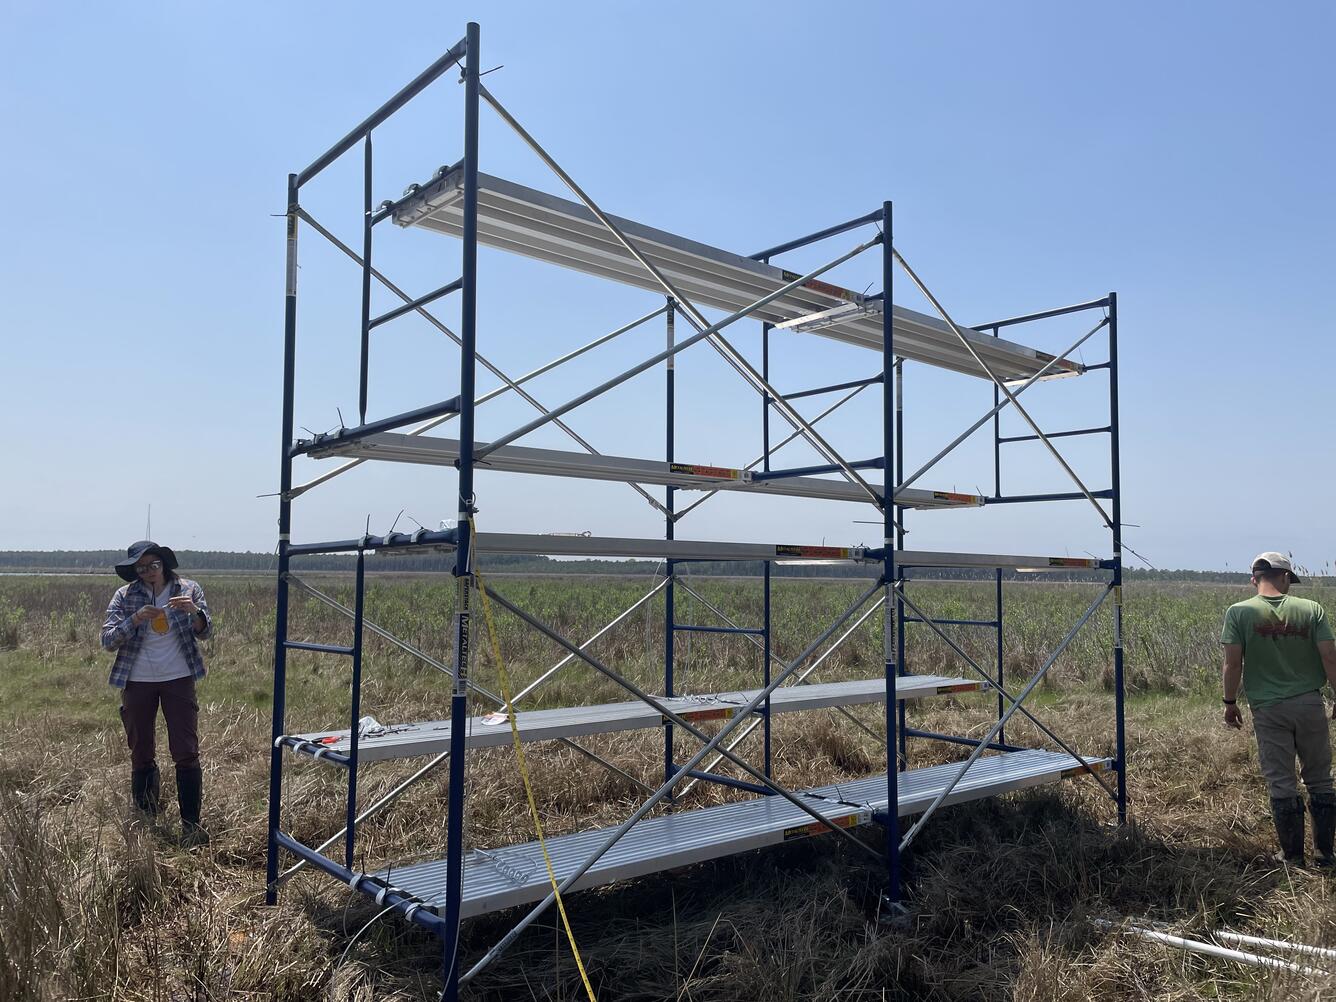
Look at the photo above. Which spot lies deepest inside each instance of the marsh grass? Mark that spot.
(95, 905)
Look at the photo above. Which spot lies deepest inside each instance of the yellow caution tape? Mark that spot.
(524, 773)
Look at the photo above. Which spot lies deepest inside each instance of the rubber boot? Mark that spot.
(1288, 813)
(145, 790)
(1323, 809)
(189, 796)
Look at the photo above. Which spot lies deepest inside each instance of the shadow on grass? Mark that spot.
(999, 893)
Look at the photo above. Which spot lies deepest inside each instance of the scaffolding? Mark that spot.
(478, 209)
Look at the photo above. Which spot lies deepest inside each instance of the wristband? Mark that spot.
(1229, 702)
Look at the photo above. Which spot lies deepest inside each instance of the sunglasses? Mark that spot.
(148, 568)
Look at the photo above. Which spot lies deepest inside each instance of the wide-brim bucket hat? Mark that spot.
(126, 568)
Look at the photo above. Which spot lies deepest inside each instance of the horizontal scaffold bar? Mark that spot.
(430, 737)
(346, 435)
(525, 221)
(415, 304)
(514, 875)
(302, 645)
(833, 387)
(411, 90)
(400, 448)
(386, 894)
(1094, 304)
(1105, 430)
(830, 231)
(1057, 496)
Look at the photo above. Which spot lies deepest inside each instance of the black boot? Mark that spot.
(189, 795)
(1288, 813)
(1323, 809)
(144, 790)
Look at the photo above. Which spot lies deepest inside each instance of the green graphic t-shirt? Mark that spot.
(1279, 637)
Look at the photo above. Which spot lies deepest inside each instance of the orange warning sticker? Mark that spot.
(1077, 770)
(715, 472)
(1070, 562)
(960, 687)
(713, 713)
(817, 828)
(819, 552)
(825, 288)
(953, 496)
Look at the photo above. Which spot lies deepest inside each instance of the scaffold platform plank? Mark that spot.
(514, 875)
(400, 448)
(533, 223)
(688, 549)
(491, 730)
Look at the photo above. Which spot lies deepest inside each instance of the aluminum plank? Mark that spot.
(401, 448)
(491, 730)
(522, 220)
(515, 875)
(689, 549)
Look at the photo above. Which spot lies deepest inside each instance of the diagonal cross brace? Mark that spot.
(730, 354)
(427, 659)
(1001, 385)
(1001, 404)
(936, 628)
(510, 384)
(1002, 721)
(672, 716)
(667, 787)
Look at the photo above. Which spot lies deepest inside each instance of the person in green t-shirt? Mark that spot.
(1281, 648)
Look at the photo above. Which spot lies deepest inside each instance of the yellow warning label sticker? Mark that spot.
(714, 472)
(953, 496)
(960, 687)
(817, 828)
(1070, 562)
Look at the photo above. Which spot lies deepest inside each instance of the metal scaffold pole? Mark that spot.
(670, 593)
(464, 555)
(1117, 507)
(888, 571)
(284, 541)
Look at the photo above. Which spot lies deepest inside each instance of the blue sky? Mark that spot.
(1038, 154)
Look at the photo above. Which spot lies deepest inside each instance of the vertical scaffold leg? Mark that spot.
(1117, 510)
(464, 553)
(284, 540)
(892, 819)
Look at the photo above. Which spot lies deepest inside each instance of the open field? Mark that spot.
(93, 907)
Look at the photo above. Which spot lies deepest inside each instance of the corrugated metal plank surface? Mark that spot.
(502, 878)
(433, 736)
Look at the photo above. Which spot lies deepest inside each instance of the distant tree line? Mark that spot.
(194, 561)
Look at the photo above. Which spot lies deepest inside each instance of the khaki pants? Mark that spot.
(1294, 727)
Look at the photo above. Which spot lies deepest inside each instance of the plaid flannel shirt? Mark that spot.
(120, 634)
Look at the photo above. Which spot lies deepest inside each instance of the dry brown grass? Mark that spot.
(93, 906)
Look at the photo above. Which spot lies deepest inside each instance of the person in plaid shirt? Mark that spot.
(154, 624)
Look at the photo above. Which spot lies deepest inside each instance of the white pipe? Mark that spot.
(1277, 944)
(1210, 949)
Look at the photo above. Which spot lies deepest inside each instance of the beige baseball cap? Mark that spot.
(1273, 561)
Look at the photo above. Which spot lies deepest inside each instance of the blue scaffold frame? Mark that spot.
(899, 610)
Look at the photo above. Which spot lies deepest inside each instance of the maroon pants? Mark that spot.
(139, 714)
